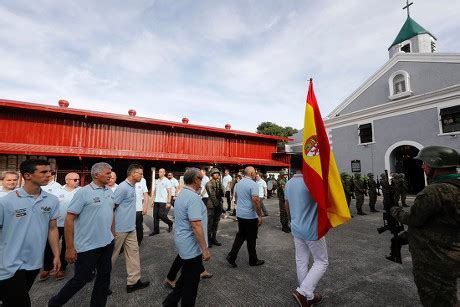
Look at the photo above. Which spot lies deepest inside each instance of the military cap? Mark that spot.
(439, 156)
(213, 171)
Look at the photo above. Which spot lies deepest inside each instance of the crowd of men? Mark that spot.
(102, 220)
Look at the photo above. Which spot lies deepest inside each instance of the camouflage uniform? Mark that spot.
(281, 184)
(402, 189)
(372, 190)
(434, 240)
(395, 183)
(346, 183)
(360, 190)
(214, 206)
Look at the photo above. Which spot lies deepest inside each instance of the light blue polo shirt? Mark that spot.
(64, 197)
(94, 207)
(303, 209)
(125, 207)
(24, 222)
(189, 207)
(245, 189)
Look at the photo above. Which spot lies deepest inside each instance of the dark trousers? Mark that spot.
(14, 291)
(187, 284)
(160, 213)
(247, 230)
(175, 268)
(48, 257)
(99, 259)
(139, 226)
(229, 200)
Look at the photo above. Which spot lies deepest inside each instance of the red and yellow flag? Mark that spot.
(320, 171)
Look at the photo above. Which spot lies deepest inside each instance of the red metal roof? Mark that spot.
(127, 118)
(30, 129)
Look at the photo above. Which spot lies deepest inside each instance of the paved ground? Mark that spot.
(358, 273)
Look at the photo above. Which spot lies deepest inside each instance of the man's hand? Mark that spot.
(206, 255)
(259, 221)
(56, 264)
(144, 212)
(71, 255)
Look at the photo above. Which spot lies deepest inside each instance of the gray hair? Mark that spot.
(99, 168)
(191, 174)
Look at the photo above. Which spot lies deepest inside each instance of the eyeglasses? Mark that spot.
(73, 179)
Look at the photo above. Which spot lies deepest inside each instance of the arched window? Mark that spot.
(399, 85)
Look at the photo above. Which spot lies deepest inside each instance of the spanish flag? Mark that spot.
(320, 171)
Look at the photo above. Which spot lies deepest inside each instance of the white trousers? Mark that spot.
(308, 279)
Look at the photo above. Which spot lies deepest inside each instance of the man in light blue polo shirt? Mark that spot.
(89, 231)
(303, 212)
(249, 215)
(27, 219)
(125, 228)
(190, 215)
(9, 182)
(65, 194)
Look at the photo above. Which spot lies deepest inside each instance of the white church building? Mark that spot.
(411, 102)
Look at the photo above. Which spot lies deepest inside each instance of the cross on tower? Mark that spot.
(407, 7)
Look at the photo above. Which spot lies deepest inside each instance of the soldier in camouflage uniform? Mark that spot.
(433, 232)
(402, 188)
(214, 205)
(360, 190)
(281, 184)
(372, 190)
(395, 183)
(346, 183)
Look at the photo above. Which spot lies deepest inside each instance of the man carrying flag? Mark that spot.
(315, 202)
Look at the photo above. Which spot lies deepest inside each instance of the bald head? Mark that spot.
(250, 172)
(72, 180)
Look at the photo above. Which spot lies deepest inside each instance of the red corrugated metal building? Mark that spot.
(78, 138)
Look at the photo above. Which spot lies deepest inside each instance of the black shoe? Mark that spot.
(259, 262)
(373, 210)
(361, 213)
(231, 262)
(215, 242)
(286, 229)
(137, 286)
(170, 227)
(153, 233)
(109, 292)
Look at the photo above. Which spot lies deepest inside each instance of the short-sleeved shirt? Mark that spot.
(161, 190)
(141, 188)
(53, 187)
(226, 182)
(174, 185)
(303, 209)
(204, 181)
(64, 197)
(262, 186)
(188, 207)
(113, 188)
(245, 189)
(125, 207)
(24, 221)
(3, 193)
(94, 206)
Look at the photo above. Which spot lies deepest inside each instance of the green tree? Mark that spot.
(270, 128)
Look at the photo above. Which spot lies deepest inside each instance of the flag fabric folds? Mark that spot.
(320, 171)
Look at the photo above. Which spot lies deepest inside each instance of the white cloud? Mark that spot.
(240, 62)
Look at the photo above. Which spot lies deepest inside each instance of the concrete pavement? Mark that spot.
(358, 273)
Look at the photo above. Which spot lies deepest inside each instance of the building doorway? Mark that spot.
(402, 161)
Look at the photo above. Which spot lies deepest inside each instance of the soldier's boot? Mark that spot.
(360, 212)
(209, 241)
(373, 209)
(214, 240)
(286, 229)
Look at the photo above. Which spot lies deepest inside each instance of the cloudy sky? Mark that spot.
(216, 62)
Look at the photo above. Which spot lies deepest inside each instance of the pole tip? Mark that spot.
(311, 79)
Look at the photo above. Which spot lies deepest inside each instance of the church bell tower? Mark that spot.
(412, 38)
